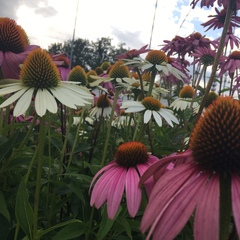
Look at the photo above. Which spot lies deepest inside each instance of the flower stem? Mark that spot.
(225, 206)
(153, 75)
(117, 92)
(217, 57)
(39, 174)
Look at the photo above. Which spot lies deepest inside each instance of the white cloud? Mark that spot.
(128, 21)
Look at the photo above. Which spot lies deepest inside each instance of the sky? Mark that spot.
(126, 21)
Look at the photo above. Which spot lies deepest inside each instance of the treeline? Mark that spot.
(88, 54)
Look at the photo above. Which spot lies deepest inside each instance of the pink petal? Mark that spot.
(111, 164)
(206, 222)
(164, 189)
(116, 191)
(149, 183)
(101, 188)
(179, 208)
(236, 201)
(133, 193)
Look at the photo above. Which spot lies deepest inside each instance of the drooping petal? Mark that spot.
(133, 193)
(206, 221)
(116, 192)
(23, 103)
(147, 116)
(13, 98)
(63, 97)
(179, 208)
(102, 187)
(236, 201)
(44, 100)
(134, 109)
(164, 189)
(157, 118)
(10, 88)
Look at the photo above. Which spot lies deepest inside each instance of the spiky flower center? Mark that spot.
(130, 154)
(186, 92)
(39, 70)
(215, 141)
(119, 70)
(212, 96)
(12, 37)
(98, 70)
(197, 35)
(105, 66)
(89, 73)
(234, 55)
(103, 101)
(146, 76)
(156, 57)
(207, 59)
(78, 74)
(151, 103)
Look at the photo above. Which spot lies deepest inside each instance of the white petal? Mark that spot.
(157, 118)
(146, 66)
(78, 89)
(134, 109)
(127, 104)
(11, 88)
(23, 103)
(45, 101)
(13, 98)
(63, 98)
(147, 116)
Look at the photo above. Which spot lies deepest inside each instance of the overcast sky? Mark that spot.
(127, 21)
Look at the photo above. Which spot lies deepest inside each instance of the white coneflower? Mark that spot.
(40, 79)
(151, 107)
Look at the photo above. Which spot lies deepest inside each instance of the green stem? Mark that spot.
(117, 92)
(39, 174)
(75, 139)
(153, 75)
(217, 57)
(225, 206)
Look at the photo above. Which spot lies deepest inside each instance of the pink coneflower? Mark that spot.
(133, 53)
(195, 40)
(231, 40)
(63, 65)
(217, 20)
(230, 64)
(208, 3)
(176, 46)
(14, 48)
(204, 182)
(181, 65)
(203, 56)
(122, 174)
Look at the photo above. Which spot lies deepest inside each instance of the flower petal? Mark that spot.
(147, 116)
(157, 118)
(133, 193)
(206, 221)
(116, 192)
(179, 208)
(23, 103)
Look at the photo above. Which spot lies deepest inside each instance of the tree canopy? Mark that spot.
(88, 54)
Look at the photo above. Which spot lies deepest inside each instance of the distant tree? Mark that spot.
(86, 54)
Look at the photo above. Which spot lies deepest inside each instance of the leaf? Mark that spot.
(62, 224)
(3, 207)
(23, 209)
(106, 223)
(70, 231)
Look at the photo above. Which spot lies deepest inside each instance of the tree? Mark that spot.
(86, 54)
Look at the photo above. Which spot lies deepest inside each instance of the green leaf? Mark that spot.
(70, 231)
(62, 224)
(23, 210)
(126, 225)
(3, 207)
(106, 223)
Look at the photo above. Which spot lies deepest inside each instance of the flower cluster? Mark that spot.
(144, 146)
